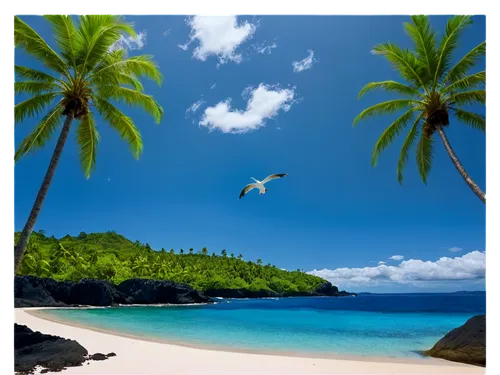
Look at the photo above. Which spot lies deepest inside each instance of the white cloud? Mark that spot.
(264, 103)
(166, 32)
(304, 64)
(471, 266)
(195, 106)
(263, 48)
(397, 257)
(213, 86)
(218, 36)
(130, 43)
(455, 249)
(379, 263)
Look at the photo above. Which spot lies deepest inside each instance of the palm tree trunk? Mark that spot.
(468, 180)
(20, 247)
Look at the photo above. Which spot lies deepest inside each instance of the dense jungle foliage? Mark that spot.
(113, 257)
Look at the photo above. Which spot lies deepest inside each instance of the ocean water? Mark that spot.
(395, 325)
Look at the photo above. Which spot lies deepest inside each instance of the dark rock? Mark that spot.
(466, 344)
(95, 293)
(146, 291)
(98, 357)
(111, 355)
(54, 353)
(44, 371)
(241, 293)
(327, 289)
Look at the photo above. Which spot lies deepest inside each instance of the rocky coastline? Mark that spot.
(31, 291)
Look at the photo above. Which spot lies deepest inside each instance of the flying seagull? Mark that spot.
(260, 184)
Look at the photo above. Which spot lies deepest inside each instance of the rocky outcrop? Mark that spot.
(144, 291)
(466, 344)
(325, 289)
(30, 291)
(54, 353)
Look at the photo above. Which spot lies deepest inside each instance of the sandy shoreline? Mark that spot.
(137, 355)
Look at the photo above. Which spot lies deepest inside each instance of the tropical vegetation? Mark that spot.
(113, 257)
(81, 80)
(435, 90)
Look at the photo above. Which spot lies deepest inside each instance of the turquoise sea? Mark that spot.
(372, 325)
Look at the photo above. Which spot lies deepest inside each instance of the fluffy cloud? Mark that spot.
(304, 64)
(397, 257)
(264, 103)
(218, 36)
(213, 86)
(130, 43)
(471, 266)
(455, 249)
(381, 262)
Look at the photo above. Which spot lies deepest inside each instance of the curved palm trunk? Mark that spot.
(20, 247)
(468, 180)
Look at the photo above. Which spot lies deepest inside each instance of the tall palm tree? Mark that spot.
(87, 75)
(435, 90)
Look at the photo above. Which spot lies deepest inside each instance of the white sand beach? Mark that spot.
(138, 356)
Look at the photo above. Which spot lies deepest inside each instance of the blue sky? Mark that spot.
(333, 210)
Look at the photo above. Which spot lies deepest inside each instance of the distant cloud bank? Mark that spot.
(471, 266)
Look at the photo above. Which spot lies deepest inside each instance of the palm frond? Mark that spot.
(33, 106)
(22, 72)
(390, 133)
(27, 38)
(467, 82)
(66, 36)
(461, 68)
(34, 87)
(388, 107)
(410, 139)
(133, 98)
(42, 133)
(472, 119)
(121, 123)
(391, 86)
(424, 156)
(87, 138)
(449, 42)
(404, 62)
(468, 97)
(98, 33)
(139, 66)
(424, 39)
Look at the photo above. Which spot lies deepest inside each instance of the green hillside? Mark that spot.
(112, 257)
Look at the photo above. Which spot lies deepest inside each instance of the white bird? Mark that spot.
(260, 184)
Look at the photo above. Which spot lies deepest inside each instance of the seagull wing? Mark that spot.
(246, 189)
(274, 176)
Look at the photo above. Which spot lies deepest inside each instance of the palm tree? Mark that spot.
(240, 256)
(224, 253)
(259, 261)
(87, 75)
(434, 89)
(191, 251)
(204, 251)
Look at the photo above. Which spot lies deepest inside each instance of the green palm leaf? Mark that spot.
(122, 124)
(98, 34)
(449, 42)
(388, 107)
(42, 132)
(410, 139)
(27, 38)
(66, 37)
(462, 67)
(34, 87)
(391, 86)
(390, 133)
(424, 156)
(468, 97)
(87, 138)
(133, 98)
(467, 82)
(472, 119)
(424, 39)
(139, 66)
(404, 62)
(33, 106)
(22, 72)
